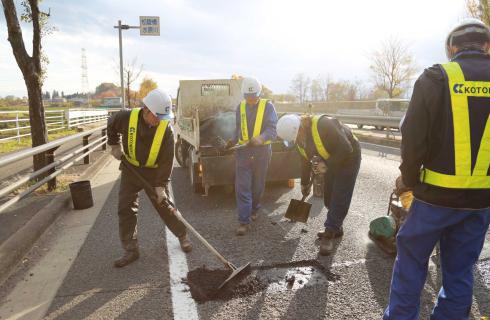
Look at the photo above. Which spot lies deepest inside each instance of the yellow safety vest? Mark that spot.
(320, 148)
(464, 178)
(258, 121)
(155, 146)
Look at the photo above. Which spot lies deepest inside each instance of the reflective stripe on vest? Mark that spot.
(460, 90)
(320, 148)
(302, 152)
(155, 146)
(258, 121)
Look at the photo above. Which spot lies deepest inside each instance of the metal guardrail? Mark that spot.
(53, 167)
(380, 121)
(17, 121)
(382, 150)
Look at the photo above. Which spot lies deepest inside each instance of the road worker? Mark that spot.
(445, 161)
(148, 146)
(256, 127)
(339, 153)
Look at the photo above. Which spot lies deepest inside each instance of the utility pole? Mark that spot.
(149, 26)
(85, 86)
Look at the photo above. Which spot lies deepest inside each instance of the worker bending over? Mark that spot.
(148, 146)
(339, 152)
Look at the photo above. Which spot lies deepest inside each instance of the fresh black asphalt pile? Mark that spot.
(204, 283)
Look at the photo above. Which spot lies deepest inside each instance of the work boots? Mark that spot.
(336, 234)
(327, 240)
(128, 257)
(242, 229)
(185, 243)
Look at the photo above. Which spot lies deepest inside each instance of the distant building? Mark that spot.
(111, 102)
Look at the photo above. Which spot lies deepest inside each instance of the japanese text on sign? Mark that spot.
(149, 26)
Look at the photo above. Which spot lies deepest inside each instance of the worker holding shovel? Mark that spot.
(256, 128)
(148, 147)
(339, 158)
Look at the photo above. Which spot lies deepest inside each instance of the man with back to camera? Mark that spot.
(445, 161)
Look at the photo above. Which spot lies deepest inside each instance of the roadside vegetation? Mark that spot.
(25, 142)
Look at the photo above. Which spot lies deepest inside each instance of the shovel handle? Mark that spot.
(309, 186)
(167, 202)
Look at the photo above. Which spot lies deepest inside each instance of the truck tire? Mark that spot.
(194, 179)
(359, 126)
(380, 128)
(181, 152)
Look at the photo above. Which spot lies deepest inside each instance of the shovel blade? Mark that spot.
(236, 272)
(298, 211)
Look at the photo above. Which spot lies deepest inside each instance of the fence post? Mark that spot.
(49, 160)
(104, 133)
(86, 159)
(67, 116)
(17, 126)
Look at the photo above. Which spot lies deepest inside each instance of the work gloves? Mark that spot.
(117, 151)
(161, 194)
(319, 167)
(229, 144)
(400, 186)
(256, 141)
(305, 190)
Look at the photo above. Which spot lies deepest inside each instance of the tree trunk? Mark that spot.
(39, 133)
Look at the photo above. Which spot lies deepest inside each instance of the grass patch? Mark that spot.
(25, 142)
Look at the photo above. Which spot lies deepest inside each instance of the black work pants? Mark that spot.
(128, 211)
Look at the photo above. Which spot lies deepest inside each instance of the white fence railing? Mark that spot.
(15, 124)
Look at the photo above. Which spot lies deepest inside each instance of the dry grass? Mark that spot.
(25, 142)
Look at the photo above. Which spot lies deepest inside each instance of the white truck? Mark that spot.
(205, 109)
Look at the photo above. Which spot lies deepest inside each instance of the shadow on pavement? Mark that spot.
(94, 288)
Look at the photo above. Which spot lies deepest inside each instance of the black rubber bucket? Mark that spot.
(81, 194)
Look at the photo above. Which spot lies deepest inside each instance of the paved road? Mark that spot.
(352, 283)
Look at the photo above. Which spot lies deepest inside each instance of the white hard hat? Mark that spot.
(159, 103)
(251, 86)
(469, 32)
(288, 126)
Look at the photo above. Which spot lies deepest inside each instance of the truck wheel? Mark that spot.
(194, 178)
(380, 128)
(181, 153)
(359, 126)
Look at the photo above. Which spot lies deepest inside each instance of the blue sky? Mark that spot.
(270, 39)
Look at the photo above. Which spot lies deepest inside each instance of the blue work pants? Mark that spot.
(250, 175)
(338, 188)
(461, 234)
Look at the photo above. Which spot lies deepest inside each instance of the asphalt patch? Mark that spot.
(204, 283)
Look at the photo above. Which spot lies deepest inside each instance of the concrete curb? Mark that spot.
(19, 244)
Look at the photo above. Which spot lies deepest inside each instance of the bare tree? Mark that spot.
(316, 90)
(131, 72)
(479, 9)
(300, 86)
(30, 66)
(392, 67)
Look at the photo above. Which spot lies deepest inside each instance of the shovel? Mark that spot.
(220, 144)
(299, 210)
(170, 205)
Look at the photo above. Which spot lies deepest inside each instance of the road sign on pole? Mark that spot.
(149, 26)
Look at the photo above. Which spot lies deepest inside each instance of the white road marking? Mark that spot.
(119, 304)
(184, 307)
